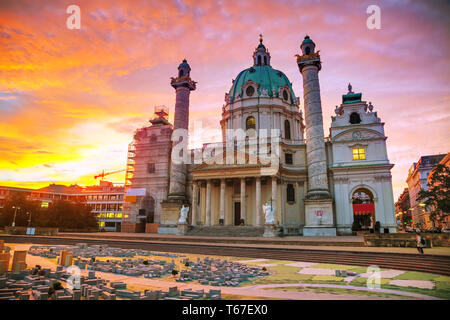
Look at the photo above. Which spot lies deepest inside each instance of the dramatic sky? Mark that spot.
(70, 100)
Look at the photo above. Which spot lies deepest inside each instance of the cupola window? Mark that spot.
(307, 50)
(180, 74)
(250, 91)
(259, 60)
(250, 123)
(287, 129)
(355, 118)
(285, 95)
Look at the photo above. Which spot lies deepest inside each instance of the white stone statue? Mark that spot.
(183, 214)
(268, 212)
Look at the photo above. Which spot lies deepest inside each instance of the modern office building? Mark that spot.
(105, 199)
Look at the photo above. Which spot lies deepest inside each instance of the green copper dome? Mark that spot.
(266, 77)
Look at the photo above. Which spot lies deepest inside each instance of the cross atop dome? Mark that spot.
(261, 56)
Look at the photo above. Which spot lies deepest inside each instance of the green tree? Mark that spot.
(71, 215)
(437, 197)
(59, 214)
(19, 200)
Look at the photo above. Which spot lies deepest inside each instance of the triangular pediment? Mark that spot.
(358, 134)
(238, 159)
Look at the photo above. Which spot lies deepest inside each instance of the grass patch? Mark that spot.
(327, 278)
(362, 282)
(340, 291)
(334, 266)
(437, 292)
(441, 290)
(411, 275)
(283, 274)
(442, 279)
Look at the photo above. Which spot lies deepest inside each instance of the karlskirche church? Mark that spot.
(319, 186)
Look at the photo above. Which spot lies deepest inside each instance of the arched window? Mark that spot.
(259, 60)
(250, 91)
(180, 74)
(354, 118)
(290, 193)
(265, 60)
(250, 123)
(307, 50)
(287, 129)
(285, 95)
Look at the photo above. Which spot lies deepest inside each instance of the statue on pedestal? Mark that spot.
(183, 214)
(268, 212)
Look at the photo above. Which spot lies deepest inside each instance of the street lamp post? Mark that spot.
(15, 213)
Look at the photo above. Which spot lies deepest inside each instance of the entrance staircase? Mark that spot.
(226, 231)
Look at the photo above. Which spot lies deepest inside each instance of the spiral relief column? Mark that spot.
(183, 85)
(319, 218)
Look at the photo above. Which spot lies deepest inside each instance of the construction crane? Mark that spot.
(104, 174)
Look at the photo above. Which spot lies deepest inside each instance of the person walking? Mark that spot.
(420, 242)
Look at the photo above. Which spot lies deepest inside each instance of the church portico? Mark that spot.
(238, 201)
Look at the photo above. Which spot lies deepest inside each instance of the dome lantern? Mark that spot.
(261, 57)
(307, 46)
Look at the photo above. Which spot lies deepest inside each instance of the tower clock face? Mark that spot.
(356, 135)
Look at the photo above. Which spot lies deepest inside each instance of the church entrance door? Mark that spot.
(363, 210)
(237, 213)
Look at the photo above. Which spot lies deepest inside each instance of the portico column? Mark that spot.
(243, 211)
(194, 202)
(274, 197)
(258, 201)
(222, 200)
(208, 203)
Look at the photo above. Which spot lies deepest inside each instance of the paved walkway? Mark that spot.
(248, 291)
(389, 291)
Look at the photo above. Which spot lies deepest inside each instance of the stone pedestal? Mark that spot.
(319, 218)
(269, 231)
(169, 217)
(183, 228)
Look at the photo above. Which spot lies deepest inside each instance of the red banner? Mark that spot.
(363, 208)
